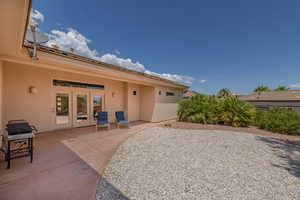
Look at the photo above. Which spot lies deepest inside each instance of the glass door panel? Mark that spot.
(97, 105)
(82, 108)
(62, 109)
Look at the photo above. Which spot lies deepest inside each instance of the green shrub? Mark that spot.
(197, 109)
(279, 120)
(235, 112)
(209, 110)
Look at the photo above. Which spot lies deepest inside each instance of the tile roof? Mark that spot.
(288, 95)
(190, 93)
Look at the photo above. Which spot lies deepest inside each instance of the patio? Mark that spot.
(67, 164)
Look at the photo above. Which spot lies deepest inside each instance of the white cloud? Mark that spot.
(35, 16)
(173, 77)
(296, 85)
(127, 63)
(73, 41)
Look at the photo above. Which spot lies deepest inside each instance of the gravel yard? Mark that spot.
(166, 163)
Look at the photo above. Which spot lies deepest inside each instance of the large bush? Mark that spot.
(279, 120)
(209, 110)
(198, 109)
(235, 112)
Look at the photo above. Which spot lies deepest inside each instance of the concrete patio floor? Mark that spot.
(67, 164)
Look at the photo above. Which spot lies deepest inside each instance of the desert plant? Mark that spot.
(235, 112)
(261, 88)
(282, 88)
(209, 110)
(197, 109)
(223, 93)
(279, 120)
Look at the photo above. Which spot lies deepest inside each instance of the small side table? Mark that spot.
(23, 147)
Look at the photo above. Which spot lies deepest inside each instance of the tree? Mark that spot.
(223, 93)
(261, 88)
(282, 88)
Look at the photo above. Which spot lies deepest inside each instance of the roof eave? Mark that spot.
(99, 63)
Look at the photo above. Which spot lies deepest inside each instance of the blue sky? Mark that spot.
(209, 44)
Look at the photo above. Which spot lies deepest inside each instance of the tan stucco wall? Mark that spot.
(166, 106)
(164, 111)
(133, 101)
(38, 108)
(147, 101)
(163, 98)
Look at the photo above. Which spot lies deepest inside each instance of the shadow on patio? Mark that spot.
(67, 164)
(288, 152)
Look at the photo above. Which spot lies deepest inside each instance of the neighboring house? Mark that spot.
(189, 93)
(289, 99)
(63, 90)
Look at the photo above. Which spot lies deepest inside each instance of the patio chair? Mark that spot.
(121, 119)
(102, 120)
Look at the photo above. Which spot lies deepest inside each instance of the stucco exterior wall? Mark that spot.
(132, 101)
(161, 97)
(147, 101)
(165, 107)
(164, 111)
(38, 108)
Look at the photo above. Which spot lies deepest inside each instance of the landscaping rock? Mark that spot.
(166, 163)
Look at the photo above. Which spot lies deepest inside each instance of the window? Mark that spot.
(134, 93)
(170, 93)
(77, 85)
(159, 92)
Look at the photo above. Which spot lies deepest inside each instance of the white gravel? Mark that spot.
(165, 163)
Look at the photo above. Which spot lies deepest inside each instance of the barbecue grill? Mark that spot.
(18, 142)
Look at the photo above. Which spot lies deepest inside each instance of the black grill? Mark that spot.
(15, 127)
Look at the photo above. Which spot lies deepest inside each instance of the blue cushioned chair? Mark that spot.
(121, 119)
(102, 120)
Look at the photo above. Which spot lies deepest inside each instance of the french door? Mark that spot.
(97, 105)
(81, 111)
(62, 109)
(76, 107)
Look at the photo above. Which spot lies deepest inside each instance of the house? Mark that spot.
(189, 93)
(289, 99)
(64, 90)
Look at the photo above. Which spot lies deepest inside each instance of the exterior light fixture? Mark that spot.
(32, 90)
